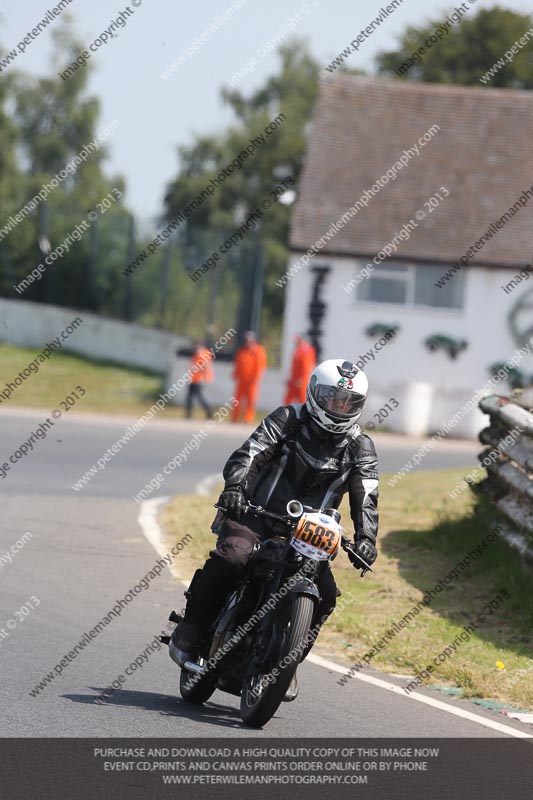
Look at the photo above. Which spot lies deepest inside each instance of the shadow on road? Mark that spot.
(166, 705)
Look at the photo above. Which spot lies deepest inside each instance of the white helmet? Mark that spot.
(336, 395)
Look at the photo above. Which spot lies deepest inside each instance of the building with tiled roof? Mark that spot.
(414, 212)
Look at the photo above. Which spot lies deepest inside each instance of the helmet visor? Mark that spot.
(341, 403)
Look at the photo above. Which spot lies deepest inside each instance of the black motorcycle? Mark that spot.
(264, 630)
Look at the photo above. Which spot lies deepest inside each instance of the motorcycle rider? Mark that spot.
(314, 452)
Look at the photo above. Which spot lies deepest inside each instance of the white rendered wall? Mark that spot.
(430, 387)
(34, 324)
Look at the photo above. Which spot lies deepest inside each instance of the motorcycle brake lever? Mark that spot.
(246, 507)
(364, 567)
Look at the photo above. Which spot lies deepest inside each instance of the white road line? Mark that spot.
(151, 529)
(153, 533)
(206, 485)
(422, 698)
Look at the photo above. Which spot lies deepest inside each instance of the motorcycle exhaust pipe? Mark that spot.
(190, 666)
(295, 508)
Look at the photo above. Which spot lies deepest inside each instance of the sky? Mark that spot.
(156, 115)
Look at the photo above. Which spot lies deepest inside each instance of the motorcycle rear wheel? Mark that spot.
(258, 707)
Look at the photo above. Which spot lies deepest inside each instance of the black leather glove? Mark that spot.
(365, 549)
(233, 500)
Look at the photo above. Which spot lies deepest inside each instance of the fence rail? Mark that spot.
(508, 460)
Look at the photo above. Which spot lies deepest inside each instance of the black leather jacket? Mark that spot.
(290, 457)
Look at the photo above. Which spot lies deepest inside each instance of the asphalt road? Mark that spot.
(87, 550)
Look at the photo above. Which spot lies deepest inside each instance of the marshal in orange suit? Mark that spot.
(303, 363)
(248, 367)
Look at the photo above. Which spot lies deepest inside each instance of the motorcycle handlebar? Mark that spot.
(259, 511)
(346, 544)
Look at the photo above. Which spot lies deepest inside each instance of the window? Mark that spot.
(411, 285)
(450, 295)
(387, 283)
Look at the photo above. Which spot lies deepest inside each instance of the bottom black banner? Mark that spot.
(156, 769)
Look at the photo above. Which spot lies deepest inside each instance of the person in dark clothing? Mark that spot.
(314, 452)
(201, 373)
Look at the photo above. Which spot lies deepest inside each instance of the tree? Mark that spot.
(468, 50)
(11, 178)
(290, 93)
(49, 123)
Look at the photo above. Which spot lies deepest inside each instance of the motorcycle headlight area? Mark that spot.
(317, 536)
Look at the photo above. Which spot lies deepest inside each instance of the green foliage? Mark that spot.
(469, 49)
(44, 123)
(292, 93)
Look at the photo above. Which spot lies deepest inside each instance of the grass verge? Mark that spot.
(423, 536)
(110, 388)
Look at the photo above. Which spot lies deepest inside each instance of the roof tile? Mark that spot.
(483, 154)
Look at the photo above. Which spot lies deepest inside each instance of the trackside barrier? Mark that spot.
(508, 460)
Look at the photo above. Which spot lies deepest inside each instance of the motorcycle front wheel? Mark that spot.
(262, 693)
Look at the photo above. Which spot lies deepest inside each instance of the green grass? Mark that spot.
(423, 536)
(110, 388)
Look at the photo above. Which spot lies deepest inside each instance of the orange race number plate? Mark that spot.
(319, 535)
